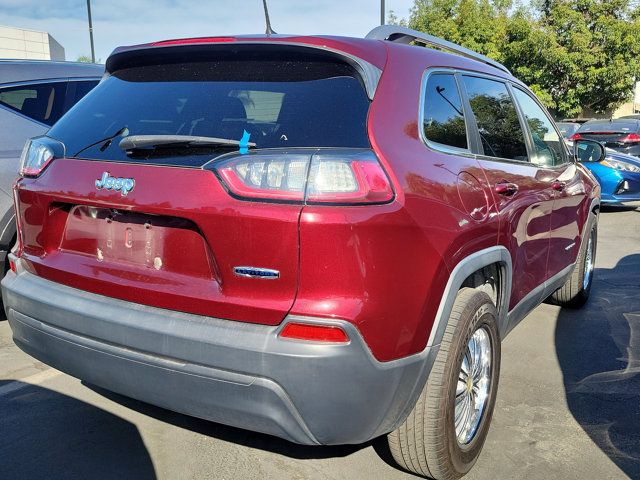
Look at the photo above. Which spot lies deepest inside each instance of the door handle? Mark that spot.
(506, 188)
(558, 186)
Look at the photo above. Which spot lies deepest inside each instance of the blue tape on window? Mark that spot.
(244, 142)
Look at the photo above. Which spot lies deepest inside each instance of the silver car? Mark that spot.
(33, 96)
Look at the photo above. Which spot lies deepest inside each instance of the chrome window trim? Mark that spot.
(435, 146)
(472, 129)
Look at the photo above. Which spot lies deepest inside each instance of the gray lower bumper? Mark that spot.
(229, 372)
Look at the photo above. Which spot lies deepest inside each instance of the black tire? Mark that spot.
(426, 443)
(575, 293)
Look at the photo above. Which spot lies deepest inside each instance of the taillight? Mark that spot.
(37, 154)
(266, 176)
(314, 333)
(575, 136)
(333, 176)
(630, 138)
(336, 179)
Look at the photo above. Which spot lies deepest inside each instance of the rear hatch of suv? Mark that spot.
(179, 181)
(616, 134)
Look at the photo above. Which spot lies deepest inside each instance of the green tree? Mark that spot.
(578, 53)
(477, 24)
(87, 59)
(393, 19)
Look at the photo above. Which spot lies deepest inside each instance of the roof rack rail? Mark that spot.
(395, 33)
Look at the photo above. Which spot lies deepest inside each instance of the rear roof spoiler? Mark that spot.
(123, 57)
(398, 34)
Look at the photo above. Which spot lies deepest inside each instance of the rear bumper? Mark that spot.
(229, 372)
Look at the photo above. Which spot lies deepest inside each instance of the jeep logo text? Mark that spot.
(122, 185)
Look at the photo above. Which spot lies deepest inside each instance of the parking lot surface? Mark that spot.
(568, 406)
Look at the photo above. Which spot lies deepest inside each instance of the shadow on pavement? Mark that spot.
(598, 349)
(245, 437)
(45, 434)
(628, 207)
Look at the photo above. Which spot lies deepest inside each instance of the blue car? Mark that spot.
(619, 177)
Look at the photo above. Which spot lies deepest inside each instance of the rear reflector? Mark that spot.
(314, 333)
(337, 177)
(19, 231)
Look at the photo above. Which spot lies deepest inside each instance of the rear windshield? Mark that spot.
(605, 127)
(281, 103)
(568, 129)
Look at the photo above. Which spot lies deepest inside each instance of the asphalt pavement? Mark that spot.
(568, 406)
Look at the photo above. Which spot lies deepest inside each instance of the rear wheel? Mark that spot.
(443, 435)
(575, 292)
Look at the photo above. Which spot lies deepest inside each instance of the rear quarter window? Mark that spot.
(443, 120)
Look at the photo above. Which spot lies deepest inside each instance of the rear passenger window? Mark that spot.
(80, 89)
(547, 144)
(497, 118)
(43, 102)
(443, 119)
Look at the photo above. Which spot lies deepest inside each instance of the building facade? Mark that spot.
(29, 44)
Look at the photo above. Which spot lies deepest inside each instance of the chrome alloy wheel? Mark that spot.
(588, 263)
(472, 390)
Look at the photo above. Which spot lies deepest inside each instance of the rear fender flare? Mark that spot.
(492, 255)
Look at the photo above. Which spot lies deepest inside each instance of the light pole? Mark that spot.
(382, 22)
(93, 51)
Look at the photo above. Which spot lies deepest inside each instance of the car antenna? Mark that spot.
(266, 18)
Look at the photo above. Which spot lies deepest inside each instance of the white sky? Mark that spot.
(127, 22)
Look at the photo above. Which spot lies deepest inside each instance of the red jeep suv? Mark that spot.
(319, 238)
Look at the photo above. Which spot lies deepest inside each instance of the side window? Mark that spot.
(80, 89)
(43, 102)
(497, 118)
(443, 119)
(548, 147)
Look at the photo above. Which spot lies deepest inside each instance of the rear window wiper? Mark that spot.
(144, 142)
(106, 142)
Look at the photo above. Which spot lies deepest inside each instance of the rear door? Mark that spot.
(521, 190)
(548, 152)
